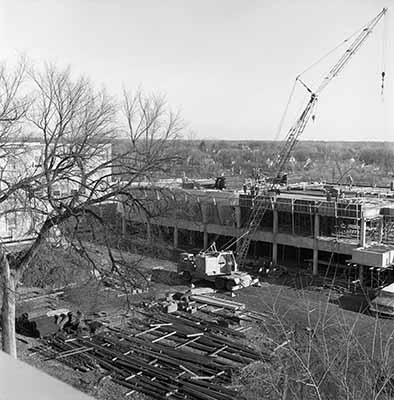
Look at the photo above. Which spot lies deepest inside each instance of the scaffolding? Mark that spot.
(340, 219)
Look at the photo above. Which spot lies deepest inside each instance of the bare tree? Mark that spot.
(13, 109)
(75, 168)
(151, 129)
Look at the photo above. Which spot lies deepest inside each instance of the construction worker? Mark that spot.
(350, 181)
(61, 321)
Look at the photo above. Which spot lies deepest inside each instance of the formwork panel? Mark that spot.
(284, 205)
(246, 204)
(303, 224)
(190, 211)
(326, 208)
(304, 206)
(349, 210)
(211, 214)
(285, 222)
(227, 215)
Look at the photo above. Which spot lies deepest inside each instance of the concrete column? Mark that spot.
(205, 239)
(237, 216)
(275, 253)
(274, 237)
(237, 212)
(205, 223)
(176, 233)
(361, 275)
(363, 226)
(315, 266)
(316, 231)
(175, 237)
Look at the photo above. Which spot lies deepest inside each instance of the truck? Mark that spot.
(383, 303)
(218, 267)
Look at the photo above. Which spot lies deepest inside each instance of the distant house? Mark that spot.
(23, 212)
(292, 160)
(245, 147)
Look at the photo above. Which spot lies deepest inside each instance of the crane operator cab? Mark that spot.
(209, 263)
(217, 266)
(213, 263)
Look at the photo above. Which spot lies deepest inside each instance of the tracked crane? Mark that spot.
(259, 208)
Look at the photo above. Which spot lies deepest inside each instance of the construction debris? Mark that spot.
(170, 307)
(26, 327)
(36, 296)
(202, 290)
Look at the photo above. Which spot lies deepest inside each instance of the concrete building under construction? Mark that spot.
(311, 226)
(350, 234)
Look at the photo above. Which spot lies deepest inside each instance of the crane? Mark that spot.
(259, 208)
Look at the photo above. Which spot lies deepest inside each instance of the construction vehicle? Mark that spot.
(218, 184)
(383, 303)
(259, 208)
(221, 267)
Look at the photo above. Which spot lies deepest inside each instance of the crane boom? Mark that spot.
(259, 208)
(356, 44)
(294, 133)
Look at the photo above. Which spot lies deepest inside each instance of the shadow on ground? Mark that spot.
(355, 302)
(348, 299)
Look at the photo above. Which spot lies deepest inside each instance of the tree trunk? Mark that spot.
(8, 337)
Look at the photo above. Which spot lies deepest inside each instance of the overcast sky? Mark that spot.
(228, 65)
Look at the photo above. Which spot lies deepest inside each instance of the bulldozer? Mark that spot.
(219, 267)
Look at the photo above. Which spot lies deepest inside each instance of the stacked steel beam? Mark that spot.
(177, 356)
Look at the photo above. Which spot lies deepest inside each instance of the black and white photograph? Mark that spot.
(196, 200)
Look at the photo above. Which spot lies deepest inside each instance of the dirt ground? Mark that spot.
(303, 307)
(93, 299)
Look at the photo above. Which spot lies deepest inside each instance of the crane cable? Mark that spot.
(298, 79)
(383, 61)
(343, 42)
(233, 241)
(307, 87)
(282, 120)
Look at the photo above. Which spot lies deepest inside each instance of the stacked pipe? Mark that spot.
(164, 356)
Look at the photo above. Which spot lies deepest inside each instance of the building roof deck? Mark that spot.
(369, 200)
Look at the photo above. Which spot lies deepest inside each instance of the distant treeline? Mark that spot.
(367, 162)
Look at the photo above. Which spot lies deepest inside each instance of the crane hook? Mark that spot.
(382, 85)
